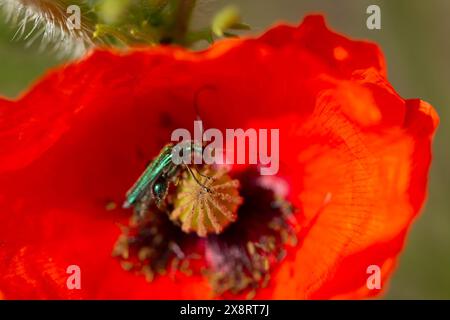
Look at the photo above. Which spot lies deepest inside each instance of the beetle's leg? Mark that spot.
(143, 204)
(161, 205)
(195, 178)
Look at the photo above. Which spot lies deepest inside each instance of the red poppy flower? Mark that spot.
(354, 160)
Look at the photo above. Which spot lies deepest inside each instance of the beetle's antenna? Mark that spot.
(201, 174)
(196, 107)
(198, 118)
(197, 97)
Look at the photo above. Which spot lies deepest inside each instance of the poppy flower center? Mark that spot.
(207, 203)
(229, 227)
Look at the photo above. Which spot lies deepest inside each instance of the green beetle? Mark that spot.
(153, 184)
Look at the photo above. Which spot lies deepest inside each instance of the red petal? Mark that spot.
(358, 189)
(341, 56)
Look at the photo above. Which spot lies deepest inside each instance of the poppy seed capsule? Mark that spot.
(206, 203)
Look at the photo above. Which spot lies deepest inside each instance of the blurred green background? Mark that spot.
(415, 38)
